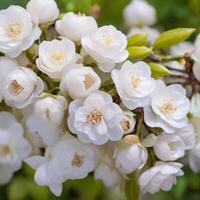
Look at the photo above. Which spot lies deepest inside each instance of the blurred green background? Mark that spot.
(170, 13)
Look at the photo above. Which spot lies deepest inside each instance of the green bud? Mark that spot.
(172, 37)
(136, 53)
(158, 70)
(138, 39)
(149, 141)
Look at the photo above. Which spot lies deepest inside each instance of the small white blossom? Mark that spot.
(196, 70)
(196, 53)
(161, 176)
(139, 13)
(55, 56)
(21, 87)
(194, 158)
(134, 84)
(187, 134)
(106, 45)
(13, 146)
(80, 82)
(169, 147)
(168, 108)
(67, 159)
(182, 49)
(128, 122)
(73, 26)
(37, 8)
(6, 66)
(130, 157)
(95, 119)
(18, 30)
(152, 33)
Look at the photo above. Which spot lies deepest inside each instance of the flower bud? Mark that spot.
(128, 122)
(80, 82)
(169, 147)
(21, 87)
(194, 158)
(51, 109)
(37, 8)
(73, 26)
(129, 158)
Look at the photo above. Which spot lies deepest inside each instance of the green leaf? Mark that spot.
(138, 39)
(158, 70)
(132, 188)
(139, 52)
(172, 37)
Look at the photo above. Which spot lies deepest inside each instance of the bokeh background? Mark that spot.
(170, 13)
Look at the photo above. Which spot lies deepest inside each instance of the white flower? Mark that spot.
(73, 26)
(47, 118)
(194, 158)
(51, 109)
(37, 8)
(129, 158)
(6, 66)
(18, 30)
(196, 53)
(21, 87)
(106, 45)
(168, 108)
(95, 119)
(80, 82)
(196, 70)
(196, 124)
(55, 56)
(182, 49)
(169, 147)
(106, 170)
(139, 13)
(128, 122)
(13, 146)
(152, 33)
(67, 159)
(134, 84)
(187, 134)
(161, 176)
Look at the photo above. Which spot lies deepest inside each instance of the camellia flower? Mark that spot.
(134, 84)
(47, 117)
(6, 66)
(130, 157)
(168, 108)
(67, 159)
(80, 82)
(169, 147)
(161, 176)
(37, 7)
(55, 56)
(21, 87)
(13, 146)
(95, 119)
(106, 45)
(139, 13)
(152, 33)
(18, 30)
(73, 26)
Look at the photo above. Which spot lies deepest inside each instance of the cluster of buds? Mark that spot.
(76, 98)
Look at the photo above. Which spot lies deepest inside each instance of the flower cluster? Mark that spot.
(77, 98)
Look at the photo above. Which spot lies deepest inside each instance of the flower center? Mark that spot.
(173, 146)
(14, 30)
(168, 107)
(108, 40)
(95, 117)
(125, 124)
(58, 56)
(135, 81)
(77, 160)
(89, 81)
(5, 150)
(15, 87)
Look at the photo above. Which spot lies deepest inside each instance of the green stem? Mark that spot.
(132, 188)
